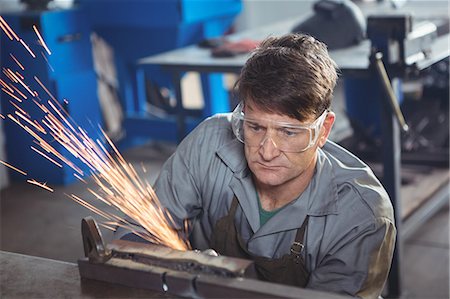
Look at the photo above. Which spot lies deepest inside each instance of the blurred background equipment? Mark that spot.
(36, 4)
(137, 28)
(337, 23)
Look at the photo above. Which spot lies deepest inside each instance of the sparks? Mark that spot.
(42, 185)
(10, 94)
(13, 168)
(18, 108)
(117, 183)
(20, 75)
(8, 29)
(19, 92)
(17, 62)
(18, 80)
(28, 48)
(79, 178)
(7, 74)
(47, 157)
(6, 85)
(41, 40)
(45, 88)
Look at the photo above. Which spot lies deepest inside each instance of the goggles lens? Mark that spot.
(286, 137)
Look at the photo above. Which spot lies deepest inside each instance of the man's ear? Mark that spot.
(326, 128)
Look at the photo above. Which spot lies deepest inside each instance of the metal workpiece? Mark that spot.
(194, 262)
(153, 266)
(189, 273)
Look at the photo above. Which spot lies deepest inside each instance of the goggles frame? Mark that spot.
(238, 118)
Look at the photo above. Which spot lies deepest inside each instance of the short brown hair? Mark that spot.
(292, 75)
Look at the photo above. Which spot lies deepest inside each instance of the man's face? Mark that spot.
(270, 166)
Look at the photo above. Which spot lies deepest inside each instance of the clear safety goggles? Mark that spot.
(286, 137)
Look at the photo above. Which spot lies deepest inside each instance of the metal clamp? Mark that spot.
(94, 248)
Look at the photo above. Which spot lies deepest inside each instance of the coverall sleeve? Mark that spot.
(359, 263)
(179, 181)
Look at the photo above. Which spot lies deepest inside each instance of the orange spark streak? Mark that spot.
(21, 82)
(41, 40)
(39, 127)
(13, 74)
(20, 75)
(80, 178)
(17, 61)
(28, 48)
(90, 207)
(6, 85)
(7, 74)
(13, 168)
(2, 116)
(6, 31)
(47, 157)
(44, 88)
(6, 26)
(58, 112)
(108, 227)
(19, 92)
(28, 121)
(42, 185)
(99, 197)
(6, 91)
(18, 108)
(41, 106)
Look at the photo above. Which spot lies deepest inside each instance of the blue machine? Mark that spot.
(140, 28)
(68, 75)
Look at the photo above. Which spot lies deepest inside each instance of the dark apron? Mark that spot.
(290, 269)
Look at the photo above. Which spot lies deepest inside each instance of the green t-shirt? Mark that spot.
(264, 215)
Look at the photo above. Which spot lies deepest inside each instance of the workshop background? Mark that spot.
(105, 63)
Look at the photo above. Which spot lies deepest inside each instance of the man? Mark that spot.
(264, 183)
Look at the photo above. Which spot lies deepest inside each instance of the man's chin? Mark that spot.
(269, 179)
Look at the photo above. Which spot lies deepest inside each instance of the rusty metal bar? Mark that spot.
(180, 273)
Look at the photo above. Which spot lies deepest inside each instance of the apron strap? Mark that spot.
(233, 207)
(298, 246)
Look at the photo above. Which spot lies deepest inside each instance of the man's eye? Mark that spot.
(253, 126)
(288, 132)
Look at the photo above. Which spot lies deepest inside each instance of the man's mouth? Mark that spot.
(262, 165)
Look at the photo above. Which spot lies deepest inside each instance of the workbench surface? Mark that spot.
(24, 276)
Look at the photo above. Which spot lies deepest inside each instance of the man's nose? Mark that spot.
(268, 148)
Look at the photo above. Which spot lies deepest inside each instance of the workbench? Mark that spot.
(353, 62)
(24, 276)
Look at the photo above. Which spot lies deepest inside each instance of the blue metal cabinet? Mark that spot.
(139, 28)
(68, 74)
